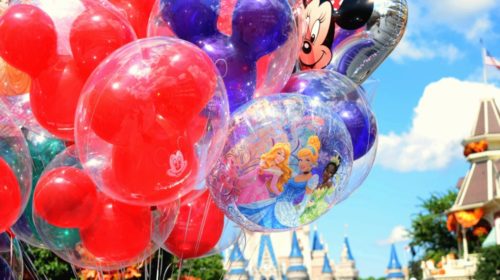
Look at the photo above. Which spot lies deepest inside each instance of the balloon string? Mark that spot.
(166, 271)
(158, 266)
(181, 261)
(29, 263)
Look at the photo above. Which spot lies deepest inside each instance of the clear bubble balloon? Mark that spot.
(348, 100)
(88, 229)
(15, 171)
(253, 43)
(42, 149)
(152, 121)
(72, 38)
(11, 258)
(284, 158)
(231, 234)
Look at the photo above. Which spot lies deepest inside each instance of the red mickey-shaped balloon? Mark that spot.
(66, 197)
(54, 95)
(137, 12)
(198, 228)
(10, 196)
(28, 38)
(95, 34)
(121, 232)
(152, 171)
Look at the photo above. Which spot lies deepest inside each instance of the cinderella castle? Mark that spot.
(288, 255)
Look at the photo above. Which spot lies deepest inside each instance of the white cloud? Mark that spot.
(443, 117)
(409, 49)
(398, 234)
(454, 12)
(479, 29)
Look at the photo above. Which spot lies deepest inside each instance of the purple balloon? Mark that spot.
(346, 99)
(259, 28)
(5, 271)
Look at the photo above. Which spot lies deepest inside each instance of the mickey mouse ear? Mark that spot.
(353, 14)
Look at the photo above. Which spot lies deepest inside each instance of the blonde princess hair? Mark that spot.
(312, 149)
(268, 160)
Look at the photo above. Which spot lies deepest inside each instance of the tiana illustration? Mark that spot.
(284, 210)
(322, 198)
(268, 179)
(330, 171)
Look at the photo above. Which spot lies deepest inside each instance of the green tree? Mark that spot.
(48, 264)
(209, 268)
(489, 264)
(428, 230)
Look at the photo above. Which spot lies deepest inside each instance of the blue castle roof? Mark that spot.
(236, 254)
(394, 266)
(296, 252)
(265, 242)
(326, 265)
(393, 261)
(316, 245)
(349, 253)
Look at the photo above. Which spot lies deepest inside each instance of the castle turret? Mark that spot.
(326, 271)
(267, 264)
(346, 269)
(394, 271)
(317, 255)
(296, 269)
(238, 264)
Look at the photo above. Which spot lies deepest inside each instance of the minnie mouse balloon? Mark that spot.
(253, 43)
(72, 38)
(152, 121)
(284, 158)
(352, 37)
(88, 229)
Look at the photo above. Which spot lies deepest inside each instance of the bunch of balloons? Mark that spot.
(130, 125)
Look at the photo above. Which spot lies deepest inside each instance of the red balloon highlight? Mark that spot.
(198, 228)
(10, 194)
(121, 232)
(137, 12)
(95, 34)
(66, 197)
(54, 95)
(28, 38)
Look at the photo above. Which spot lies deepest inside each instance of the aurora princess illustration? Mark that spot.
(268, 179)
(284, 210)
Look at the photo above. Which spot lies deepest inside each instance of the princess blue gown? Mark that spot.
(283, 211)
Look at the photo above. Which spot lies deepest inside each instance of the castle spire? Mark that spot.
(238, 264)
(394, 267)
(317, 245)
(296, 270)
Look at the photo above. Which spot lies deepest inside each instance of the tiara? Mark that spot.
(336, 160)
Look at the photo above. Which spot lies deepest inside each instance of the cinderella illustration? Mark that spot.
(268, 179)
(284, 210)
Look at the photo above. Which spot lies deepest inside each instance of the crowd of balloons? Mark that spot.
(130, 125)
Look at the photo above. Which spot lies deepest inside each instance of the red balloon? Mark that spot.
(198, 228)
(95, 34)
(66, 197)
(28, 38)
(121, 232)
(10, 196)
(149, 99)
(137, 12)
(54, 95)
(153, 171)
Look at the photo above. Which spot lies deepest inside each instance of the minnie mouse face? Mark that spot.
(321, 16)
(316, 47)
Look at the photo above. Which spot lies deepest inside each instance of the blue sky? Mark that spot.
(425, 104)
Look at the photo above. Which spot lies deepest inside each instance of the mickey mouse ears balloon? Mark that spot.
(152, 121)
(352, 37)
(285, 157)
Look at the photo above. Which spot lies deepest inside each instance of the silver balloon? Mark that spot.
(361, 54)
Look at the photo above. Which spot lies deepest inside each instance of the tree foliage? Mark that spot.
(48, 264)
(489, 264)
(209, 268)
